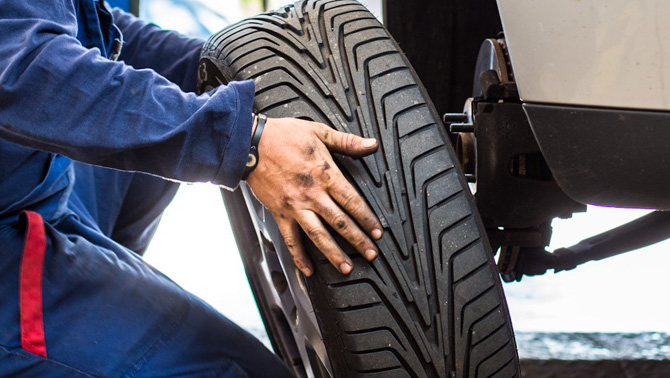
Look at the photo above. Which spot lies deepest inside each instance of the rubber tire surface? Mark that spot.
(431, 305)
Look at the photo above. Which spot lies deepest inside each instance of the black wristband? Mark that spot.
(252, 158)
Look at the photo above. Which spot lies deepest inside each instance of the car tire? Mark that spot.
(431, 304)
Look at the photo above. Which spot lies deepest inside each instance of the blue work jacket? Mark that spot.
(62, 98)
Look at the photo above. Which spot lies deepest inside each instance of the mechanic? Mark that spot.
(86, 146)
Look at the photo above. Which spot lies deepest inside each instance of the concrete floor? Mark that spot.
(595, 369)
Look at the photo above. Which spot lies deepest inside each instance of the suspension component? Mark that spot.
(515, 191)
(642, 232)
(517, 195)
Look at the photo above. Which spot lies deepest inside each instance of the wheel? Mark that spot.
(431, 304)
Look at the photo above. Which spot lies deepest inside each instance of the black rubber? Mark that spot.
(431, 305)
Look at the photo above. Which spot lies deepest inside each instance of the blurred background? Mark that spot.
(616, 308)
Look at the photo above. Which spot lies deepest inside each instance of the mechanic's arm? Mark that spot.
(57, 96)
(170, 54)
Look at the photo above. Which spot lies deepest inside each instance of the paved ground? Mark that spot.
(594, 355)
(593, 346)
(595, 369)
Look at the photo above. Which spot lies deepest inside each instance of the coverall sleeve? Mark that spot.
(57, 96)
(173, 56)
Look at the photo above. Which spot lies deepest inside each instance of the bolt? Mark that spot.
(456, 128)
(454, 117)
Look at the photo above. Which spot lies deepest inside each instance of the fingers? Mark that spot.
(315, 230)
(345, 143)
(291, 233)
(346, 227)
(352, 202)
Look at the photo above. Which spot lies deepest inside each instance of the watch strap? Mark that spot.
(252, 158)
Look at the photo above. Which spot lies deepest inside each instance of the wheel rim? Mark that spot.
(283, 289)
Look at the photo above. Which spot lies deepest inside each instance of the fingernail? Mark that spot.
(370, 254)
(345, 268)
(377, 234)
(369, 142)
(307, 271)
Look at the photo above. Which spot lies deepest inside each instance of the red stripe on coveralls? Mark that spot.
(30, 286)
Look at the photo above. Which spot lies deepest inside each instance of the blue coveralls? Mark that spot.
(103, 311)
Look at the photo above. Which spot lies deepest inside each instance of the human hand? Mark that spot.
(298, 181)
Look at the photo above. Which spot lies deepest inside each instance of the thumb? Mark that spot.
(347, 144)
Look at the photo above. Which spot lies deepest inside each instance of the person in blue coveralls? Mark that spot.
(98, 122)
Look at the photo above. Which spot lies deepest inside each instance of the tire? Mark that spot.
(431, 304)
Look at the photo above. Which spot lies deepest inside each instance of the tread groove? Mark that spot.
(470, 302)
(487, 336)
(389, 71)
(511, 360)
(492, 354)
(472, 272)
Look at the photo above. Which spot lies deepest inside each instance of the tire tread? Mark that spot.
(431, 305)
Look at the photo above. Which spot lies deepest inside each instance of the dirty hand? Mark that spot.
(297, 180)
